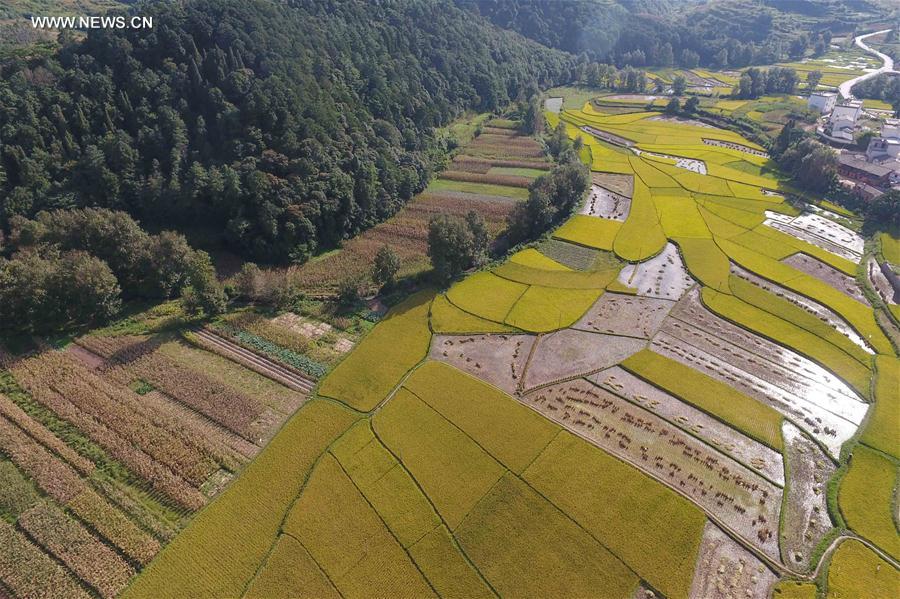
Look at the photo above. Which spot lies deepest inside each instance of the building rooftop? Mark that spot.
(858, 162)
(844, 111)
(872, 192)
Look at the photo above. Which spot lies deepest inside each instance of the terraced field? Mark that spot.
(836, 66)
(684, 392)
(489, 175)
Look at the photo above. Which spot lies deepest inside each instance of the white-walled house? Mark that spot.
(885, 150)
(824, 102)
(847, 111)
(841, 124)
(891, 129)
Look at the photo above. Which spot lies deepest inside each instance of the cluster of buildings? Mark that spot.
(868, 173)
(878, 169)
(841, 119)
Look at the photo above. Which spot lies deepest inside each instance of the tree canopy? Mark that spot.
(665, 33)
(74, 267)
(286, 126)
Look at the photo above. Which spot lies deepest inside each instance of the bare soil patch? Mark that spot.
(497, 359)
(89, 358)
(617, 314)
(616, 183)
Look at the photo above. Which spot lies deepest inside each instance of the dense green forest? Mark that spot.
(718, 33)
(287, 126)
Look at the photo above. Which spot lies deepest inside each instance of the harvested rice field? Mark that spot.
(606, 204)
(663, 276)
(827, 274)
(820, 403)
(724, 568)
(698, 423)
(742, 499)
(805, 518)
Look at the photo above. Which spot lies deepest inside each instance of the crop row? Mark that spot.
(192, 428)
(501, 149)
(53, 477)
(227, 448)
(504, 131)
(221, 404)
(39, 433)
(36, 379)
(538, 164)
(73, 545)
(472, 165)
(506, 180)
(17, 494)
(114, 526)
(514, 141)
(29, 573)
(141, 514)
(119, 409)
(268, 349)
(63, 484)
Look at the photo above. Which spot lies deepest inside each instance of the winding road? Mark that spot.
(846, 87)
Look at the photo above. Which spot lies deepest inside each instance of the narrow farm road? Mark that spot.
(847, 86)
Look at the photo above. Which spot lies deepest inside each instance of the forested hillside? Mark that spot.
(290, 126)
(717, 33)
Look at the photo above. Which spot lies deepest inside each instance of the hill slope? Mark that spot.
(722, 33)
(291, 126)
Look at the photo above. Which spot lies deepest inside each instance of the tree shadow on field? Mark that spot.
(137, 350)
(413, 302)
